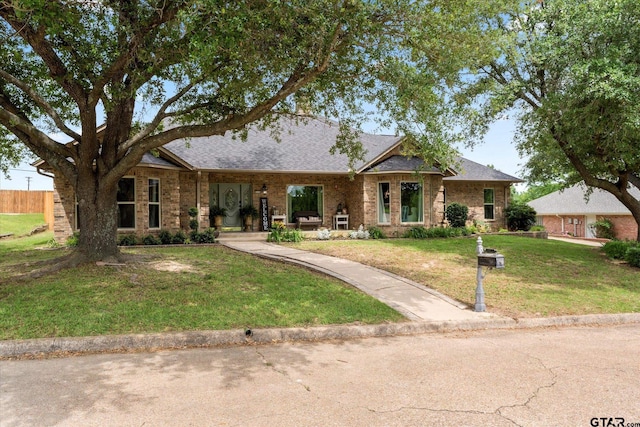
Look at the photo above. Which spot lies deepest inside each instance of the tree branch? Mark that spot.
(157, 119)
(119, 64)
(43, 48)
(38, 142)
(41, 102)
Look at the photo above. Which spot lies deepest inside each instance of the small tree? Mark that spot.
(520, 216)
(457, 214)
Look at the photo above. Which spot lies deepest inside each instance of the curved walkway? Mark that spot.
(413, 300)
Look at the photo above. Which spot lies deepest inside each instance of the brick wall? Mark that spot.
(573, 225)
(179, 193)
(471, 194)
(65, 213)
(432, 201)
(336, 190)
(624, 226)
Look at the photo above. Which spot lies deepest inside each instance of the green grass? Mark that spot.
(175, 289)
(20, 224)
(541, 278)
(189, 287)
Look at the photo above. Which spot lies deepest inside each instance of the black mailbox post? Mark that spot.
(491, 258)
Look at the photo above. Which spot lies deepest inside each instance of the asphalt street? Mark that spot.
(534, 377)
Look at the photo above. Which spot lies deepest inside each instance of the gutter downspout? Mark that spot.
(430, 201)
(199, 177)
(562, 219)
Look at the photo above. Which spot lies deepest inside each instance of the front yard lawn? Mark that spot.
(173, 289)
(541, 278)
(192, 287)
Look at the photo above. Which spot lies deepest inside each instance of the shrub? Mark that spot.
(280, 233)
(73, 240)
(179, 238)
(206, 236)
(324, 234)
(376, 233)
(217, 211)
(361, 233)
(537, 228)
(436, 232)
(128, 240)
(604, 229)
(165, 237)
(520, 216)
(481, 226)
(632, 256)
(457, 214)
(150, 239)
(617, 249)
(416, 233)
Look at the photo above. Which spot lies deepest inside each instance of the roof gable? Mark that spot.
(402, 164)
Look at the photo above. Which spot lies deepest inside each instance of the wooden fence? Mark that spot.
(19, 201)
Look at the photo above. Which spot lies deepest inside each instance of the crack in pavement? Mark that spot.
(282, 372)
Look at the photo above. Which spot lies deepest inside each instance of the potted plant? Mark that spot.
(248, 213)
(216, 214)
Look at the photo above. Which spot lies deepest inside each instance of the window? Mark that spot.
(383, 203)
(411, 202)
(489, 203)
(126, 203)
(154, 203)
(304, 198)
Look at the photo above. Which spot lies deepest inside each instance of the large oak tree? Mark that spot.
(206, 67)
(570, 70)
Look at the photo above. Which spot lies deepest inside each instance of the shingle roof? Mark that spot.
(303, 147)
(402, 164)
(150, 160)
(472, 171)
(572, 201)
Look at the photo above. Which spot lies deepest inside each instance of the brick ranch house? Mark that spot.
(567, 212)
(289, 174)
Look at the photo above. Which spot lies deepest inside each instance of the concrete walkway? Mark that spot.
(578, 241)
(413, 300)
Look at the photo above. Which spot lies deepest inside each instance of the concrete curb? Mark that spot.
(202, 339)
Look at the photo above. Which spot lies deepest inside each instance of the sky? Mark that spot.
(497, 150)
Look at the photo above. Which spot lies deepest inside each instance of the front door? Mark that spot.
(231, 197)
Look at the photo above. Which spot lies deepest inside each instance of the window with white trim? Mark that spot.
(154, 203)
(489, 203)
(127, 203)
(384, 214)
(411, 202)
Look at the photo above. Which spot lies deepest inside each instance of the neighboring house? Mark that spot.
(289, 174)
(572, 212)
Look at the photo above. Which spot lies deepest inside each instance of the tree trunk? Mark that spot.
(98, 221)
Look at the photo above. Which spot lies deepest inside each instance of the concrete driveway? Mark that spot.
(537, 377)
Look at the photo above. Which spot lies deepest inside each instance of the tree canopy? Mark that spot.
(206, 67)
(570, 70)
